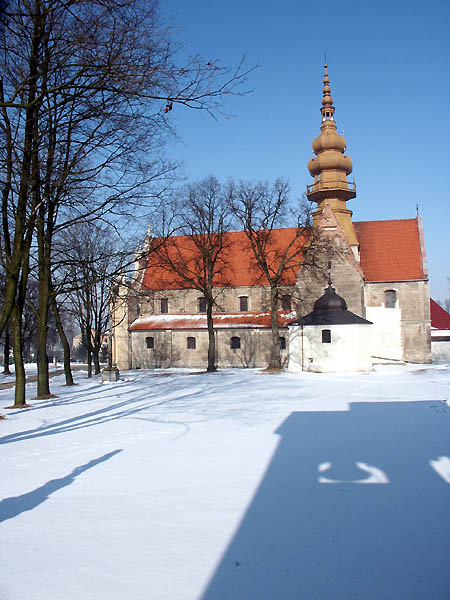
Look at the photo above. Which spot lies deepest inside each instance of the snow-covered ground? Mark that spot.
(238, 485)
(30, 371)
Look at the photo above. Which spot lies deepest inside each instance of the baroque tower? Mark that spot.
(330, 168)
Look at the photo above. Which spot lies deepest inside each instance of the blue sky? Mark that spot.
(388, 66)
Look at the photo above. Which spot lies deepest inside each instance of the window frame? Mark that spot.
(200, 303)
(235, 342)
(286, 302)
(391, 300)
(150, 342)
(243, 300)
(191, 343)
(164, 306)
(326, 336)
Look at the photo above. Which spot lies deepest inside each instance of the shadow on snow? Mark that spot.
(352, 506)
(11, 507)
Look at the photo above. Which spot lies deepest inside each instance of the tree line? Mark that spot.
(87, 89)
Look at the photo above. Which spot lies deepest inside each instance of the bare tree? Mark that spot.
(93, 263)
(446, 302)
(261, 208)
(197, 256)
(86, 95)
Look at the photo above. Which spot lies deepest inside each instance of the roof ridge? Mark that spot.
(386, 221)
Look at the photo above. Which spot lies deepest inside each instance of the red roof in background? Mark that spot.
(238, 267)
(243, 320)
(390, 250)
(440, 319)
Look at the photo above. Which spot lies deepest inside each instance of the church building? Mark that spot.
(378, 267)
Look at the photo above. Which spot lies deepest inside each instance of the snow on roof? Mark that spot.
(244, 320)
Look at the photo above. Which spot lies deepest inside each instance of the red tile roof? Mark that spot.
(440, 319)
(237, 268)
(244, 320)
(390, 250)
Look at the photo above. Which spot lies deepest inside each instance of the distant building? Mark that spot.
(379, 268)
(440, 333)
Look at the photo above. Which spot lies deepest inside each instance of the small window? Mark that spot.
(191, 343)
(286, 302)
(164, 305)
(243, 303)
(391, 298)
(235, 343)
(150, 342)
(282, 343)
(202, 305)
(326, 336)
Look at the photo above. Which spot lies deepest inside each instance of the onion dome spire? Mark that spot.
(330, 168)
(327, 109)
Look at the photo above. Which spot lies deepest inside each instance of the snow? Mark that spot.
(30, 371)
(238, 485)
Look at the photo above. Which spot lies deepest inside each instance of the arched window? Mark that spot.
(235, 343)
(286, 302)
(202, 305)
(390, 297)
(164, 305)
(243, 303)
(282, 343)
(326, 336)
(150, 342)
(191, 343)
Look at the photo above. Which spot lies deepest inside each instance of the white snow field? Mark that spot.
(239, 485)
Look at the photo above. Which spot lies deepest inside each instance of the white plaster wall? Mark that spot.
(349, 350)
(386, 332)
(294, 345)
(413, 299)
(440, 351)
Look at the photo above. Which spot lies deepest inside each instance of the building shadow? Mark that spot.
(14, 506)
(354, 504)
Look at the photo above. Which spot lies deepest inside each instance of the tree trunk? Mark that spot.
(89, 363)
(275, 355)
(211, 338)
(43, 384)
(19, 391)
(6, 352)
(64, 342)
(23, 224)
(95, 356)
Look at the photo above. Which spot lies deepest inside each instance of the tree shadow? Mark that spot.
(146, 400)
(354, 504)
(11, 507)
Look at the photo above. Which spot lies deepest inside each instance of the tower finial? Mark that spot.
(327, 109)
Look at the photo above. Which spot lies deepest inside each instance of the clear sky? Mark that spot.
(389, 73)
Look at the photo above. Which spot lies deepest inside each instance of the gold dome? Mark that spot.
(330, 161)
(329, 139)
(330, 168)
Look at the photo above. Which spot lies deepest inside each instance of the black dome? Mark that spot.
(330, 301)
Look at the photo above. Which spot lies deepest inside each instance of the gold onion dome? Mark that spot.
(329, 146)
